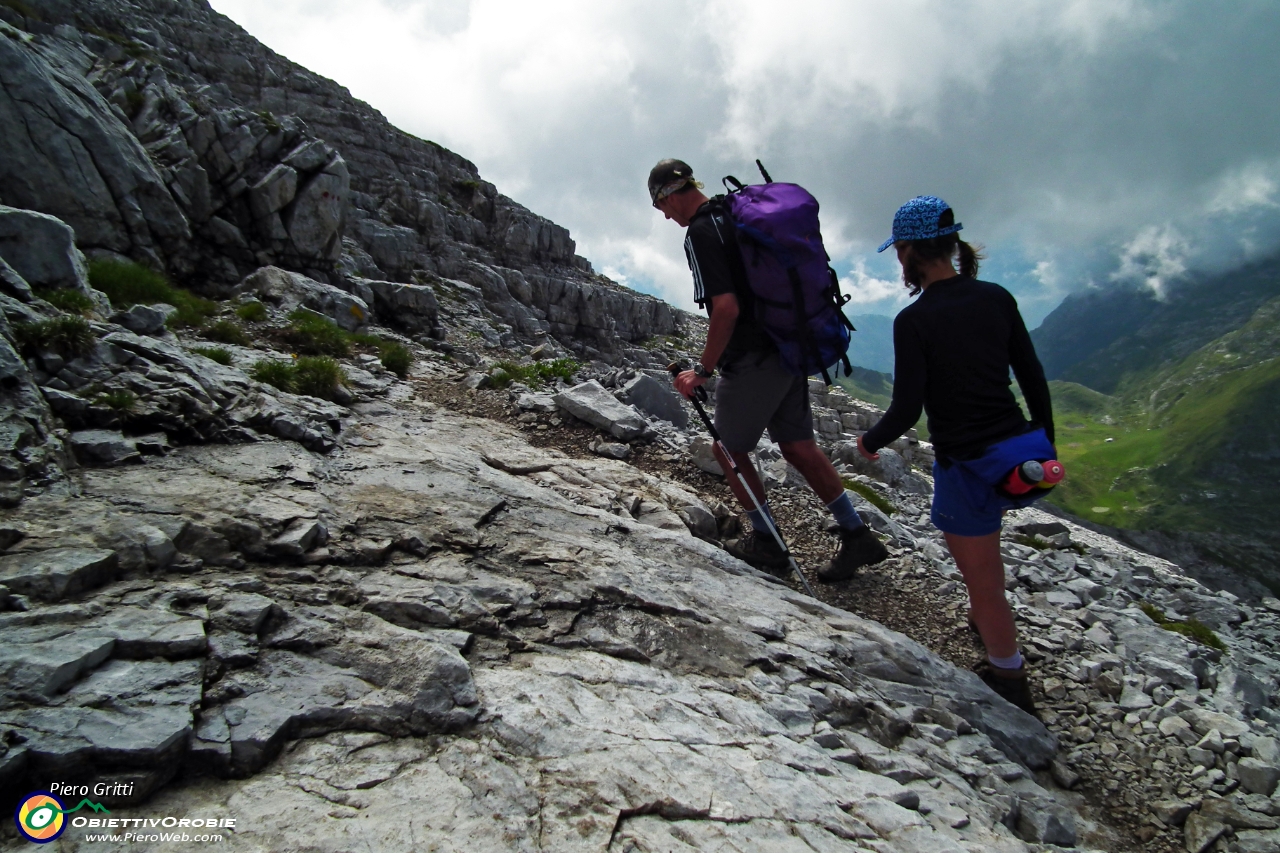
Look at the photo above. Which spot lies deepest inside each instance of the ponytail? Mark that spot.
(969, 258)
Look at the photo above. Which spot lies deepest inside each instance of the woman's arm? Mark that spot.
(1029, 373)
(909, 377)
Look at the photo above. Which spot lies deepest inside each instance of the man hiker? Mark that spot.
(754, 392)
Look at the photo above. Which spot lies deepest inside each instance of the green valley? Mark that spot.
(1193, 445)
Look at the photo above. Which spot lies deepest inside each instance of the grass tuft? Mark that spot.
(67, 300)
(218, 354)
(311, 334)
(64, 335)
(126, 283)
(314, 376)
(317, 376)
(121, 401)
(396, 358)
(538, 373)
(252, 312)
(277, 374)
(226, 332)
(871, 495)
(1192, 629)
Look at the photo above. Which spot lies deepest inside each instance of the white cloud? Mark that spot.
(1154, 258)
(864, 289)
(1067, 124)
(1251, 186)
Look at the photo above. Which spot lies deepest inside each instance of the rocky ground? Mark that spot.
(1119, 767)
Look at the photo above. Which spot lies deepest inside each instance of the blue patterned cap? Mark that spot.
(918, 220)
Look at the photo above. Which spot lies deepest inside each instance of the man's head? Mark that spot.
(674, 191)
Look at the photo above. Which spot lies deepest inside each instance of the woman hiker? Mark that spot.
(953, 348)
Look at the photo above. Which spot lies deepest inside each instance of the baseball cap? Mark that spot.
(669, 176)
(918, 220)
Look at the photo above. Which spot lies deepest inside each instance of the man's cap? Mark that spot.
(669, 176)
(918, 220)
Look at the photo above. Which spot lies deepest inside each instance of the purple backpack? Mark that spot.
(797, 294)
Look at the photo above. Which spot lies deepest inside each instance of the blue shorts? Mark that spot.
(965, 499)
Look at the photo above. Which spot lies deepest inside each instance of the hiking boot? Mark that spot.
(858, 547)
(1011, 684)
(760, 550)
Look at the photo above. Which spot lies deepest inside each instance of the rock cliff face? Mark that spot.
(162, 132)
(373, 620)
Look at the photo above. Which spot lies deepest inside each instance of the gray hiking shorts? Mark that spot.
(755, 393)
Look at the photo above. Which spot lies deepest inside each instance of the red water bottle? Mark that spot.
(1053, 474)
(1024, 478)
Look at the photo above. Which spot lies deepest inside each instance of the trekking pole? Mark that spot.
(700, 394)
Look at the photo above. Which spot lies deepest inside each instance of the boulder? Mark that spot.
(77, 161)
(318, 215)
(412, 307)
(42, 250)
(656, 400)
(701, 451)
(273, 192)
(592, 403)
(1201, 832)
(104, 447)
(1258, 777)
(290, 290)
(144, 319)
(59, 572)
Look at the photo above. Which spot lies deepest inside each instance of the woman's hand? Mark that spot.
(862, 448)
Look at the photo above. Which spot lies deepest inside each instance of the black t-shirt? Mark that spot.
(953, 348)
(711, 245)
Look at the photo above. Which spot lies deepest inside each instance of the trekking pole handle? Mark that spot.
(675, 368)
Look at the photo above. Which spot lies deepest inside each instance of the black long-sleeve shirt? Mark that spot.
(953, 348)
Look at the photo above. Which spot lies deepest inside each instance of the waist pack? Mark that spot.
(984, 474)
(797, 293)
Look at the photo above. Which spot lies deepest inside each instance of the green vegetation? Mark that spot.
(535, 374)
(67, 335)
(121, 401)
(252, 312)
(314, 376)
(1192, 629)
(311, 334)
(67, 300)
(126, 283)
(269, 119)
(218, 354)
(317, 376)
(872, 497)
(278, 374)
(396, 358)
(226, 332)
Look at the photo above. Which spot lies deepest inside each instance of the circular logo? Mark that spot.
(40, 817)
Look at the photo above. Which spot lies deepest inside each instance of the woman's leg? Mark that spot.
(978, 559)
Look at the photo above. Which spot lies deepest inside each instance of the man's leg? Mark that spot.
(859, 546)
(748, 472)
(815, 467)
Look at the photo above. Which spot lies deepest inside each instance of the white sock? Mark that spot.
(1014, 661)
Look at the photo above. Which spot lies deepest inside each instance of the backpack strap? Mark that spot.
(730, 179)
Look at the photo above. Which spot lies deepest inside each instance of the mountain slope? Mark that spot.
(1105, 338)
(1193, 446)
(871, 345)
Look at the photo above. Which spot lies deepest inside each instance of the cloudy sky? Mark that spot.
(1082, 142)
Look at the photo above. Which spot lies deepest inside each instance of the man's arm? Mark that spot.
(724, 317)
